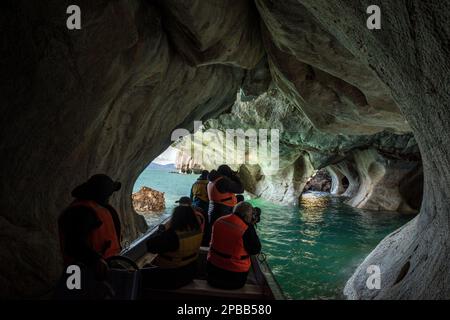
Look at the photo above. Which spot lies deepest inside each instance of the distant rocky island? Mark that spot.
(163, 167)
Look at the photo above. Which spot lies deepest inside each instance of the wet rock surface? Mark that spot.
(304, 149)
(148, 200)
(321, 181)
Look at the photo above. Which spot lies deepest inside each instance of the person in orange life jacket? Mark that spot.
(223, 186)
(199, 192)
(234, 240)
(89, 227)
(177, 244)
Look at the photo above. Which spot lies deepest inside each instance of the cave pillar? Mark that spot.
(380, 180)
(337, 187)
(410, 55)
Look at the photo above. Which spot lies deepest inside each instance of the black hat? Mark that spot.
(184, 200)
(99, 185)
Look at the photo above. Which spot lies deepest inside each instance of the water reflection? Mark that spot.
(314, 248)
(314, 200)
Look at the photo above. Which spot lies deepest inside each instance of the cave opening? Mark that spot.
(106, 98)
(164, 181)
(345, 182)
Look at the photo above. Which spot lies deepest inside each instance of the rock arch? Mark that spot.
(106, 98)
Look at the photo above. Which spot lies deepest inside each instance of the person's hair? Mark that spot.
(225, 170)
(204, 175)
(184, 219)
(241, 208)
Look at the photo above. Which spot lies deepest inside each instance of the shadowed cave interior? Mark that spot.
(370, 107)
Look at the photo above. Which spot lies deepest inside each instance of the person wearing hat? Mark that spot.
(89, 227)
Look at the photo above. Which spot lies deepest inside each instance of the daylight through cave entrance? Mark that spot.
(167, 178)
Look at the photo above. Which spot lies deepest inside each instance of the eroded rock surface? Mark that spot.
(380, 178)
(106, 98)
(320, 181)
(148, 200)
(337, 91)
(302, 150)
(102, 99)
(411, 57)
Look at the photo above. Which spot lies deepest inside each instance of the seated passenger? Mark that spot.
(199, 212)
(177, 245)
(223, 186)
(199, 192)
(233, 240)
(89, 228)
(89, 233)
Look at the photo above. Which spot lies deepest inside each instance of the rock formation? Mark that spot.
(186, 163)
(347, 173)
(337, 187)
(304, 149)
(380, 178)
(321, 181)
(107, 97)
(148, 200)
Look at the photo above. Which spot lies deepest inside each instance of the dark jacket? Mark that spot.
(75, 225)
(230, 183)
(163, 241)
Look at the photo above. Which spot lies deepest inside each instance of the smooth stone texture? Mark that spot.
(410, 56)
(380, 178)
(300, 143)
(107, 97)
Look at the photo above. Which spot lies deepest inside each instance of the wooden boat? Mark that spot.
(261, 283)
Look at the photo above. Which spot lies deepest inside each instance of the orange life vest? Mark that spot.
(227, 249)
(103, 239)
(225, 198)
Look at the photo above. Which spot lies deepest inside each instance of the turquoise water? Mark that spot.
(312, 248)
